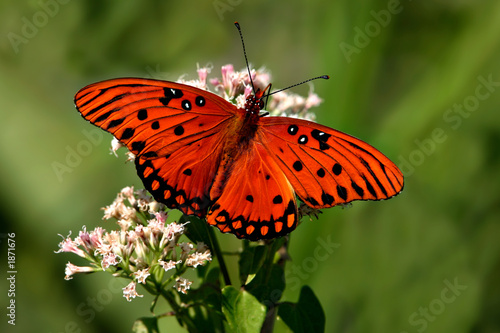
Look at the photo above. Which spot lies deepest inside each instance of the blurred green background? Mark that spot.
(409, 77)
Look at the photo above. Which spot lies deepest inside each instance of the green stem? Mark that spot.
(218, 253)
(274, 246)
(181, 315)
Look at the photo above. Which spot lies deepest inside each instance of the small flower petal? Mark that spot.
(69, 245)
(130, 292)
(142, 275)
(73, 269)
(182, 285)
(168, 265)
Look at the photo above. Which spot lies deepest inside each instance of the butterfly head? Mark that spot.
(255, 102)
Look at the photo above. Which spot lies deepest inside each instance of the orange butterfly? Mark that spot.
(241, 170)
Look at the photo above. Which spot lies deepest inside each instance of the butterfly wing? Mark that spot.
(183, 179)
(174, 130)
(327, 167)
(257, 202)
(151, 117)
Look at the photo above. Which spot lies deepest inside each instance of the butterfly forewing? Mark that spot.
(327, 167)
(174, 129)
(151, 117)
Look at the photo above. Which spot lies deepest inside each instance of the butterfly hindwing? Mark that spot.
(257, 201)
(183, 179)
(327, 167)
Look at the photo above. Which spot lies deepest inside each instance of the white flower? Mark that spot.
(142, 275)
(69, 245)
(168, 265)
(110, 259)
(115, 145)
(182, 285)
(130, 292)
(73, 269)
(198, 258)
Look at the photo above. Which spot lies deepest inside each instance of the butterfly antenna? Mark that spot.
(326, 77)
(245, 54)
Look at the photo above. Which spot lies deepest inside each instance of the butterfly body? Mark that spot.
(199, 153)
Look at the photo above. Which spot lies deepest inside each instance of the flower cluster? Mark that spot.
(143, 249)
(235, 86)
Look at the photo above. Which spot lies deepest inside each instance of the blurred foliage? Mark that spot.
(395, 258)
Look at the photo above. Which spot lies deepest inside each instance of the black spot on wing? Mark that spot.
(138, 146)
(116, 122)
(127, 133)
(200, 101)
(186, 105)
(150, 154)
(322, 138)
(293, 129)
(312, 201)
(321, 173)
(142, 114)
(358, 189)
(104, 116)
(179, 130)
(303, 139)
(337, 169)
(277, 199)
(297, 165)
(327, 199)
(170, 93)
(342, 192)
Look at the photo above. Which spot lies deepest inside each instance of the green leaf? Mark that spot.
(251, 259)
(266, 286)
(146, 325)
(243, 311)
(305, 316)
(213, 277)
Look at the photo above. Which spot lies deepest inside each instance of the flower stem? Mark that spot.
(181, 315)
(218, 253)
